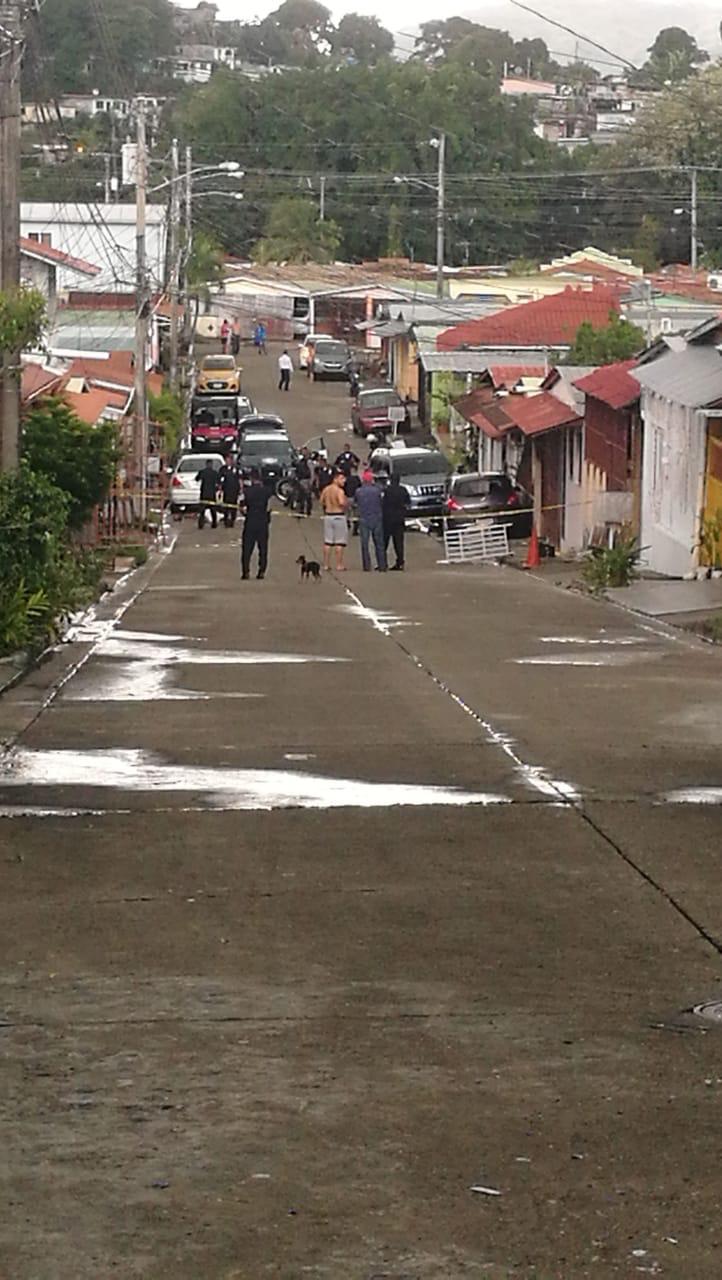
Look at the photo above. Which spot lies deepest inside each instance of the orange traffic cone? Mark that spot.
(533, 559)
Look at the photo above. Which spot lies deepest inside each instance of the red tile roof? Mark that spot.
(117, 369)
(46, 253)
(612, 384)
(588, 267)
(543, 412)
(507, 375)
(36, 381)
(91, 405)
(547, 322)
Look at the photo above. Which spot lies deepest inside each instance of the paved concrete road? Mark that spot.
(323, 905)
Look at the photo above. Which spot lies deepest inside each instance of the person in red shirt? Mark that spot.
(225, 334)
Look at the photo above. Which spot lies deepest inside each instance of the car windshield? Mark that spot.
(218, 362)
(280, 449)
(196, 463)
(378, 399)
(430, 464)
(478, 486)
(331, 351)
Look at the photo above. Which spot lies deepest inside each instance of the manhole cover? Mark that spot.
(710, 1010)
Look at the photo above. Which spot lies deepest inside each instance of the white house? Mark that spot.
(681, 394)
(40, 265)
(102, 234)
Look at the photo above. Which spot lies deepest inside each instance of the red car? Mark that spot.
(370, 411)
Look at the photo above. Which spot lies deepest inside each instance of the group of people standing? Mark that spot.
(226, 490)
(379, 514)
(231, 333)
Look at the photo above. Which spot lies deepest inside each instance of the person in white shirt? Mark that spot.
(285, 369)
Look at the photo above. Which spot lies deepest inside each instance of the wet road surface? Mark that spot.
(323, 904)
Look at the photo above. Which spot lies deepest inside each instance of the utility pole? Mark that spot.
(693, 220)
(11, 51)
(322, 201)
(187, 249)
(174, 264)
(106, 180)
(440, 215)
(140, 435)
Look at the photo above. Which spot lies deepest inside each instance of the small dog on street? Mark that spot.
(309, 568)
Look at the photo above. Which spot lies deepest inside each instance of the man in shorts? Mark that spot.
(335, 526)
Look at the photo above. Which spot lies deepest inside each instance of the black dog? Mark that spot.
(309, 568)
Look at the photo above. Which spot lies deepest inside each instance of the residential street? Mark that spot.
(323, 905)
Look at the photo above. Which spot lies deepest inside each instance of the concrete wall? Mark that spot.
(672, 483)
(102, 234)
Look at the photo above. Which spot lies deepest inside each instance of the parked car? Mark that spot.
(218, 375)
(214, 423)
(305, 350)
(424, 472)
(490, 493)
(270, 452)
(331, 359)
(184, 487)
(370, 411)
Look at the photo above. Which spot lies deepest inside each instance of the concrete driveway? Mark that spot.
(352, 929)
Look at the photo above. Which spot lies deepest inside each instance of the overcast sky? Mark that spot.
(626, 26)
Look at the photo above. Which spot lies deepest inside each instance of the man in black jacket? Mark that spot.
(396, 504)
(255, 526)
(230, 484)
(208, 479)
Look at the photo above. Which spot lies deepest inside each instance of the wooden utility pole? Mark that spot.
(11, 50)
(174, 254)
(140, 435)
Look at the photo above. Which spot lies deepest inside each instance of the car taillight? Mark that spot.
(177, 482)
(452, 505)
(513, 499)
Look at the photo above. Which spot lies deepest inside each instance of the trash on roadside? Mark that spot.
(486, 1191)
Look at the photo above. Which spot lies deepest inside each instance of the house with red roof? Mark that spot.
(40, 264)
(550, 324)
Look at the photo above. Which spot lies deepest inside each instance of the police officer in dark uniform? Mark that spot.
(396, 503)
(208, 479)
(230, 485)
(256, 498)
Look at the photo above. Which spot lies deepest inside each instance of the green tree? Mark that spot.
(166, 409)
(98, 43)
(295, 234)
(75, 457)
(619, 340)
(22, 316)
(358, 38)
(674, 56)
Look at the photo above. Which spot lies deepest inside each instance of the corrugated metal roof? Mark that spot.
(476, 361)
(692, 377)
(534, 414)
(612, 384)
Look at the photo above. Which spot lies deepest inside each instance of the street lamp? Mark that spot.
(440, 144)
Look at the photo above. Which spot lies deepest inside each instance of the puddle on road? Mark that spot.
(383, 620)
(612, 641)
(137, 666)
(138, 682)
(222, 788)
(693, 795)
(607, 659)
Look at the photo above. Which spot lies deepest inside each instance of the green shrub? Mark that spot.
(78, 458)
(23, 616)
(611, 566)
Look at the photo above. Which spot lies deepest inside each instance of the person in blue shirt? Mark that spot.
(368, 501)
(259, 338)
